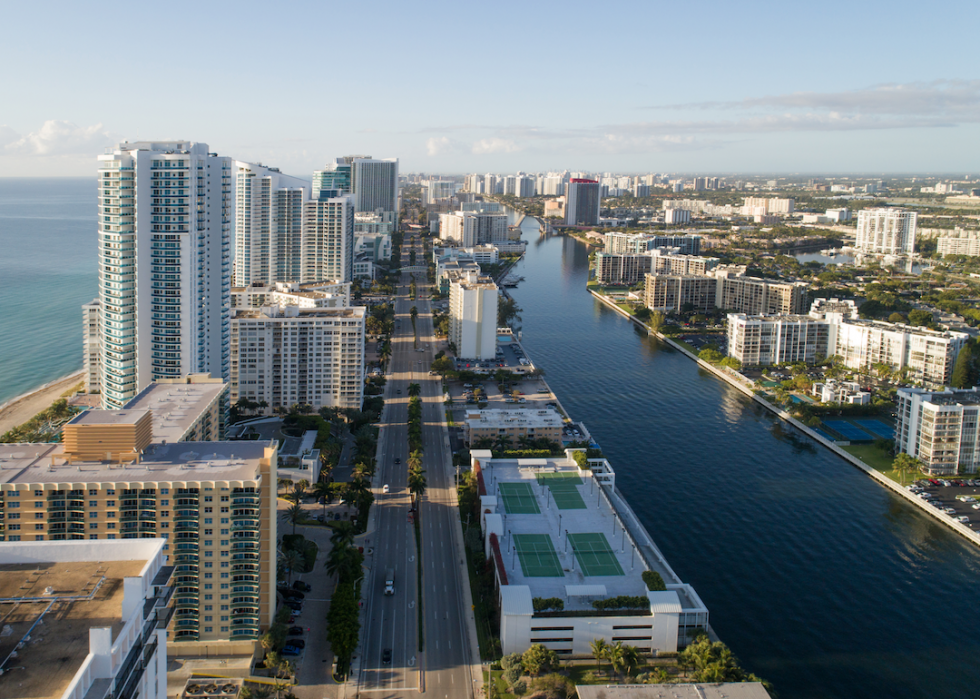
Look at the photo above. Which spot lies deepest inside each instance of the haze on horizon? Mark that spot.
(710, 87)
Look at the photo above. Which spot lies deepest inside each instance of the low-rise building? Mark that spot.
(940, 428)
(473, 316)
(568, 569)
(87, 619)
(286, 355)
(192, 408)
(532, 423)
(376, 246)
(313, 295)
(844, 392)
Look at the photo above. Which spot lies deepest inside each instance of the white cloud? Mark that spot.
(7, 135)
(439, 145)
(494, 145)
(58, 138)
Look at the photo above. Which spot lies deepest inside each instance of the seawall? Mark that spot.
(742, 384)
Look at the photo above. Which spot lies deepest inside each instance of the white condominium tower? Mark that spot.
(886, 231)
(164, 264)
(375, 184)
(328, 238)
(268, 225)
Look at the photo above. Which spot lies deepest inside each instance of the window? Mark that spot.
(93, 491)
(39, 527)
(208, 586)
(14, 527)
(207, 607)
(93, 525)
(224, 618)
(38, 515)
(110, 525)
(224, 509)
(13, 538)
(113, 536)
(110, 491)
(208, 576)
(224, 564)
(164, 503)
(224, 575)
(110, 503)
(39, 537)
(207, 629)
(224, 586)
(208, 564)
(38, 503)
(165, 491)
(93, 536)
(93, 515)
(110, 515)
(93, 503)
(207, 597)
(39, 493)
(208, 532)
(224, 607)
(13, 504)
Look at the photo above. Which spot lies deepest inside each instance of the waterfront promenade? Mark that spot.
(19, 410)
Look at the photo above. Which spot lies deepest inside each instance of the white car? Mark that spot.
(962, 518)
(384, 488)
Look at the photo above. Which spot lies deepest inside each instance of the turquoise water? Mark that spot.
(48, 269)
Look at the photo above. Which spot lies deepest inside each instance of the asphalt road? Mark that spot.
(442, 667)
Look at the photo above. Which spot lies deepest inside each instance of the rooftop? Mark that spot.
(294, 313)
(176, 406)
(59, 643)
(520, 417)
(721, 690)
(173, 462)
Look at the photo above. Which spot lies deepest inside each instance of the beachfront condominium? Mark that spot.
(766, 340)
(886, 231)
(473, 316)
(940, 428)
(164, 264)
(582, 200)
(328, 238)
(268, 225)
(91, 356)
(150, 470)
(470, 228)
(287, 355)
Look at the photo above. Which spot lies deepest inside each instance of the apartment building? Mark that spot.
(91, 354)
(755, 296)
(87, 619)
(959, 242)
(312, 295)
(328, 239)
(927, 356)
(765, 340)
(268, 224)
(374, 222)
(628, 269)
(582, 200)
(288, 355)
(940, 428)
(374, 183)
(674, 217)
(473, 316)
(213, 502)
(673, 293)
(531, 423)
(336, 176)
(192, 408)
(671, 261)
(470, 228)
(164, 264)
(886, 231)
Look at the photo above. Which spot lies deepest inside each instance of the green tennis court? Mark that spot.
(564, 489)
(537, 556)
(594, 555)
(519, 499)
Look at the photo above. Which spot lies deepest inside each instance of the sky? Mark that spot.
(457, 87)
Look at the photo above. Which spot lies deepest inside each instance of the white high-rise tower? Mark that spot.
(328, 238)
(268, 225)
(164, 264)
(886, 231)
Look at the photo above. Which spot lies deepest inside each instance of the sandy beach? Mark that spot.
(21, 409)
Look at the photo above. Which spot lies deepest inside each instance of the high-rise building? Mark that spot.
(886, 231)
(287, 355)
(524, 186)
(582, 199)
(765, 340)
(150, 470)
(164, 264)
(940, 428)
(473, 316)
(374, 184)
(91, 355)
(328, 238)
(469, 228)
(335, 176)
(268, 225)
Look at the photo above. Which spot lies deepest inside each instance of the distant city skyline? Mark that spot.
(756, 87)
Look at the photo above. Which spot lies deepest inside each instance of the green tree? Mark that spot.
(896, 317)
(962, 374)
(537, 659)
(919, 317)
(295, 514)
(416, 484)
(654, 581)
(905, 463)
(507, 312)
(442, 365)
(343, 534)
(713, 662)
(414, 389)
(291, 560)
(599, 649)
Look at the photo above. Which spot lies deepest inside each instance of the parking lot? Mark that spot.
(950, 498)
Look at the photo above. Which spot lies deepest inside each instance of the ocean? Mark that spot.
(48, 269)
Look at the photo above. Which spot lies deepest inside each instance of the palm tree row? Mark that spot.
(623, 659)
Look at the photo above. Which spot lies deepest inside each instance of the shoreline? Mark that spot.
(20, 409)
(969, 534)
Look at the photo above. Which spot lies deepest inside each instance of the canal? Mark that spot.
(819, 580)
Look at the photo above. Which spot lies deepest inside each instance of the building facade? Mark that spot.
(940, 428)
(926, 356)
(673, 293)
(765, 340)
(473, 316)
(374, 184)
(886, 231)
(582, 200)
(91, 352)
(328, 239)
(268, 225)
(164, 264)
(286, 355)
(470, 228)
(755, 296)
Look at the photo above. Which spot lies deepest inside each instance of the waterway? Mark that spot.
(817, 578)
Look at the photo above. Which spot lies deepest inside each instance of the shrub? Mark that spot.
(653, 580)
(581, 459)
(542, 604)
(512, 675)
(512, 660)
(554, 686)
(622, 602)
(520, 688)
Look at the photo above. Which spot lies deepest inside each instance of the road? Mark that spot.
(442, 667)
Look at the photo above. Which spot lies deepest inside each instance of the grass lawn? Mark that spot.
(882, 461)
(501, 684)
(690, 348)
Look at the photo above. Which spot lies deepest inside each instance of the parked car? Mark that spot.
(295, 631)
(296, 643)
(290, 650)
(294, 604)
(962, 518)
(302, 586)
(386, 656)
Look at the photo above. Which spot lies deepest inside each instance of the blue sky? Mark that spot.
(505, 86)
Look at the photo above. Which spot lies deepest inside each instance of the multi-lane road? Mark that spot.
(442, 666)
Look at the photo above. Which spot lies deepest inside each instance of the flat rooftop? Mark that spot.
(302, 313)
(176, 406)
(60, 642)
(700, 690)
(525, 485)
(108, 417)
(183, 461)
(526, 417)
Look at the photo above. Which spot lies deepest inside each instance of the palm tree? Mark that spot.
(615, 656)
(631, 659)
(341, 560)
(291, 559)
(414, 389)
(321, 490)
(599, 650)
(295, 515)
(503, 442)
(343, 534)
(417, 484)
(415, 460)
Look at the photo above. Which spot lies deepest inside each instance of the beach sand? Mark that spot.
(22, 409)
